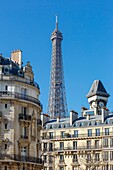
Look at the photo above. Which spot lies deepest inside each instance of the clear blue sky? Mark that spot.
(87, 27)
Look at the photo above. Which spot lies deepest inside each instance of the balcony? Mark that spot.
(14, 95)
(79, 148)
(21, 158)
(24, 117)
(75, 160)
(80, 136)
(24, 137)
(61, 161)
(51, 162)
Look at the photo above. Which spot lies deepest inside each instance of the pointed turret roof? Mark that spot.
(97, 88)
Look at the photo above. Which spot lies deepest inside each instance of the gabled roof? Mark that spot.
(97, 88)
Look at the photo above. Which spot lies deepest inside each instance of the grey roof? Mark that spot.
(97, 89)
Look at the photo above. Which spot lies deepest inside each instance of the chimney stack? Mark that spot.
(16, 56)
(73, 116)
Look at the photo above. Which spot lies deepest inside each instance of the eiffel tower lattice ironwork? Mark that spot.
(57, 105)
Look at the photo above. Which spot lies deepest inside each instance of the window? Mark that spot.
(97, 156)
(50, 146)
(61, 145)
(105, 156)
(6, 88)
(105, 167)
(74, 158)
(51, 127)
(5, 126)
(75, 168)
(24, 111)
(45, 158)
(50, 158)
(5, 146)
(106, 131)
(45, 146)
(111, 155)
(96, 143)
(75, 145)
(88, 144)
(111, 167)
(23, 152)
(97, 132)
(88, 157)
(61, 168)
(24, 132)
(105, 142)
(62, 134)
(111, 142)
(75, 133)
(61, 158)
(89, 132)
(5, 168)
(50, 168)
(5, 106)
(50, 135)
(23, 92)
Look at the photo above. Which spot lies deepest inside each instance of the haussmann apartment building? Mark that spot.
(80, 142)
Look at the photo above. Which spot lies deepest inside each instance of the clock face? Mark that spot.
(101, 104)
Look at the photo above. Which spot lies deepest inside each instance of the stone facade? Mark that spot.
(20, 110)
(80, 142)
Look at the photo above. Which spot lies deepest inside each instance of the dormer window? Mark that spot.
(89, 123)
(59, 126)
(6, 87)
(51, 127)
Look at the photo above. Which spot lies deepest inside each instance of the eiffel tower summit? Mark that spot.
(57, 105)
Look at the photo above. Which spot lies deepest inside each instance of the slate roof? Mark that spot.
(97, 89)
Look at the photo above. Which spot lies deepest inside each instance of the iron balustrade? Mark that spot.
(24, 137)
(77, 148)
(61, 161)
(20, 96)
(60, 137)
(75, 160)
(21, 158)
(24, 116)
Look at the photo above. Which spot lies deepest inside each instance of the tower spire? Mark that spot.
(57, 105)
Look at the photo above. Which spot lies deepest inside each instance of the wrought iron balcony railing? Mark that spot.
(61, 161)
(60, 137)
(24, 117)
(21, 158)
(75, 160)
(60, 149)
(20, 96)
(24, 137)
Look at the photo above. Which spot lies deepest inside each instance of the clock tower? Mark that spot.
(97, 96)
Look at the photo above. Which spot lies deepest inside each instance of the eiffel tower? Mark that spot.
(57, 105)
